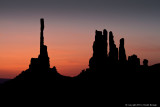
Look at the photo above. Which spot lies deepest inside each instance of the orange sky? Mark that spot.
(69, 55)
(69, 31)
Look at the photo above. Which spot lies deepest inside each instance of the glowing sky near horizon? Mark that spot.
(69, 31)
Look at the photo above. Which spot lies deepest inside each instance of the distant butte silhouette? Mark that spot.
(108, 72)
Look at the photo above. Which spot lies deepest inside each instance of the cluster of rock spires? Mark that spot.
(101, 58)
(102, 62)
(107, 72)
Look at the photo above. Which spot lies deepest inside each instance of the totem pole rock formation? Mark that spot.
(42, 62)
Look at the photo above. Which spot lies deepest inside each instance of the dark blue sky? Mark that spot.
(107, 8)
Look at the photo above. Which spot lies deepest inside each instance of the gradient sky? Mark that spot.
(69, 31)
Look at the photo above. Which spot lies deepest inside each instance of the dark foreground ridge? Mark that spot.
(110, 74)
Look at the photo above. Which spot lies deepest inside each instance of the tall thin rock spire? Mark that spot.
(113, 50)
(41, 35)
(122, 53)
(105, 34)
(42, 62)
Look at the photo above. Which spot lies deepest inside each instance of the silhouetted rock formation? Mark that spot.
(99, 57)
(122, 53)
(42, 62)
(134, 61)
(145, 62)
(39, 69)
(113, 50)
(107, 73)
